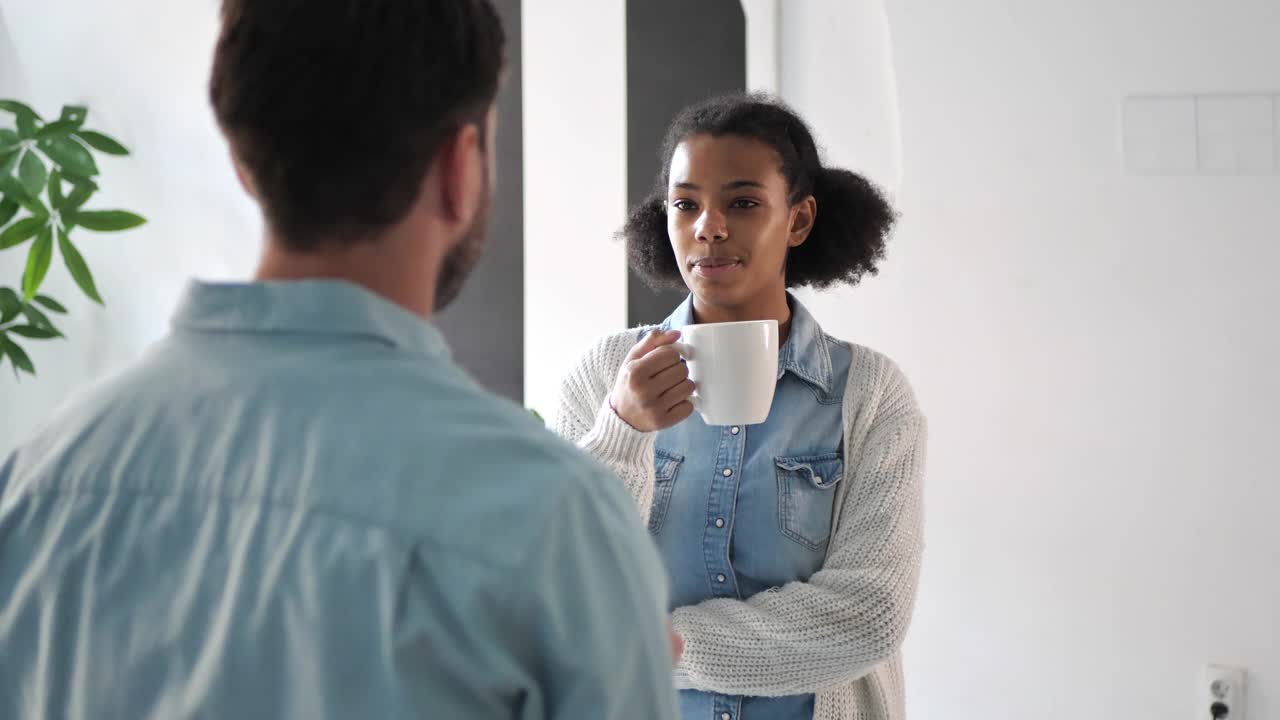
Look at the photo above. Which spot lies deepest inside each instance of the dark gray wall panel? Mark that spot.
(485, 325)
(678, 52)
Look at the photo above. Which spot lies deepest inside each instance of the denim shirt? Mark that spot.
(740, 510)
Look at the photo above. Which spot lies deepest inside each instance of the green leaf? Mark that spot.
(71, 156)
(33, 332)
(21, 231)
(75, 179)
(18, 108)
(56, 199)
(12, 188)
(78, 268)
(75, 114)
(8, 140)
(10, 305)
(106, 220)
(26, 126)
(38, 260)
(61, 128)
(8, 208)
(17, 356)
(36, 317)
(81, 191)
(33, 174)
(102, 143)
(9, 160)
(48, 302)
(25, 117)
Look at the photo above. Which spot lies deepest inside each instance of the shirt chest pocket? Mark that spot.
(666, 467)
(806, 497)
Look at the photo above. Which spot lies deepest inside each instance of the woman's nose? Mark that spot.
(711, 228)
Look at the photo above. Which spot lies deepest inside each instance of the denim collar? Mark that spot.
(306, 307)
(805, 353)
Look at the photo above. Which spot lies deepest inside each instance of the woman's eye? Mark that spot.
(743, 204)
(684, 205)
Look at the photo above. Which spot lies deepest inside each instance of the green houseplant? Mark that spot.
(47, 175)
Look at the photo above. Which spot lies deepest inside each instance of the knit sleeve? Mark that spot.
(853, 613)
(584, 417)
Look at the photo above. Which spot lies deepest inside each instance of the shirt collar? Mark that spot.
(805, 353)
(307, 307)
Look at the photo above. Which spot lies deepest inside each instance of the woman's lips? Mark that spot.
(716, 267)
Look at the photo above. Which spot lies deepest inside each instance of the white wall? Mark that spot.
(575, 197)
(144, 82)
(837, 66)
(12, 78)
(1097, 352)
(764, 33)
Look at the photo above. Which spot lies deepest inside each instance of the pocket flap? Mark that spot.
(821, 471)
(665, 465)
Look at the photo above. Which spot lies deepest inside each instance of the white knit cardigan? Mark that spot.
(838, 634)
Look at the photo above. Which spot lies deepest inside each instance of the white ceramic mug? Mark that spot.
(734, 367)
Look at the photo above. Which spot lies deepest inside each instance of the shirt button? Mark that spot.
(817, 479)
(720, 578)
(719, 522)
(728, 472)
(726, 716)
(735, 429)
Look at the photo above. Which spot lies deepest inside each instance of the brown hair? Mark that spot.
(336, 108)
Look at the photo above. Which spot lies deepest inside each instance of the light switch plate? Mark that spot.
(1236, 134)
(1160, 134)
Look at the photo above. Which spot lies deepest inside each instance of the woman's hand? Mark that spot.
(653, 387)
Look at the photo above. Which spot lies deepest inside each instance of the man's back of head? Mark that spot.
(364, 128)
(296, 505)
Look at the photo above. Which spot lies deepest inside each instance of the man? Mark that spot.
(296, 506)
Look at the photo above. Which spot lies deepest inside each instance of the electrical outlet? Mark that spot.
(1221, 694)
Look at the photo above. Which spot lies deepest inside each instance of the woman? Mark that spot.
(793, 546)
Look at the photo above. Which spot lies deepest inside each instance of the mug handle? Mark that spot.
(686, 352)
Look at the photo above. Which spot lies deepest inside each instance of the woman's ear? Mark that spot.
(803, 216)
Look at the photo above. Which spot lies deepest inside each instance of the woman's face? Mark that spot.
(729, 220)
